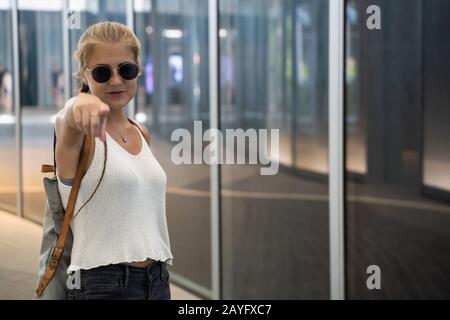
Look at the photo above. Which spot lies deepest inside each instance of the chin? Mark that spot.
(117, 103)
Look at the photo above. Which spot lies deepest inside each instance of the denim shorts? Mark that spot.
(123, 282)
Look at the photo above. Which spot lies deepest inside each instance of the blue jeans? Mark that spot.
(123, 282)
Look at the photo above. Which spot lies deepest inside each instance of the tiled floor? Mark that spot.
(19, 254)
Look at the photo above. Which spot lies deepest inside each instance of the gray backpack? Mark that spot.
(53, 220)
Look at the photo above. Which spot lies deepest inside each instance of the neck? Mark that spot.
(117, 119)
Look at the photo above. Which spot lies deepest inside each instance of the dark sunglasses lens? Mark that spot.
(128, 71)
(101, 74)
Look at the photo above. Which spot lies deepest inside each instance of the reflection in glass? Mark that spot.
(273, 57)
(398, 210)
(91, 12)
(309, 83)
(172, 94)
(355, 125)
(8, 154)
(42, 81)
(41, 93)
(436, 150)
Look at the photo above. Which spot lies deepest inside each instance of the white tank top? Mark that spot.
(125, 221)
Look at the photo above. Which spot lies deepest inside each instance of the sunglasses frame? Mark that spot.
(118, 71)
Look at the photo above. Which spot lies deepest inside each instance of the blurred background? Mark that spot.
(273, 62)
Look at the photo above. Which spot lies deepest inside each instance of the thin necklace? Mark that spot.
(124, 138)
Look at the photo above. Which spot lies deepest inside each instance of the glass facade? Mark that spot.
(8, 147)
(397, 114)
(273, 60)
(274, 230)
(173, 93)
(89, 13)
(42, 82)
(41, 94)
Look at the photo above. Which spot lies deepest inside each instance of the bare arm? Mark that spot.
(67, 133)
(72, 123)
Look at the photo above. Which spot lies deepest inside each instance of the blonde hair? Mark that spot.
(105, 33)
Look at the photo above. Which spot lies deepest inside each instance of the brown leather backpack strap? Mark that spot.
(141, 129)
(82, 167)
(46, 168)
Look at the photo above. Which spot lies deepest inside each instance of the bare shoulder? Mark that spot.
(142, 128)
(146, 134)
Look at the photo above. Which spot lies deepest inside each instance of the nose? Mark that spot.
(116, 79)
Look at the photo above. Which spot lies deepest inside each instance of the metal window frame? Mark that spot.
(213, 34)
(17, 108)
(336, 148)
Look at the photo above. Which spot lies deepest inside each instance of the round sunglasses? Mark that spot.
(102, 73)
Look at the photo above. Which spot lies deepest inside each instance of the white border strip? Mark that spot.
(17, 109)
(336, 147)
(214, 123)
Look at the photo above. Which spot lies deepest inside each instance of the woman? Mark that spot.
(121, 243)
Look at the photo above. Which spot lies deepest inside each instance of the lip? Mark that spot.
(115, 93)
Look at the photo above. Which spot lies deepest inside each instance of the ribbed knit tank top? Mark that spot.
(125, 221)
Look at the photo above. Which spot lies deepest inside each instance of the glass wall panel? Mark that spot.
(397, 206)
(42, 80)
(41, 84)
(8, 148)
(356, 164)
(274, 58)
(87, 13)
(436, 131)
(307, 86)
(173, 92)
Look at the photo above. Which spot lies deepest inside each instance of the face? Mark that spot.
(116, 92)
